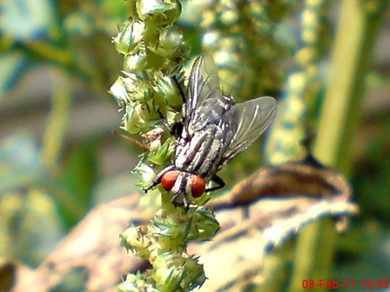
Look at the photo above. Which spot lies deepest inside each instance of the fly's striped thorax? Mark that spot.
(202, 153)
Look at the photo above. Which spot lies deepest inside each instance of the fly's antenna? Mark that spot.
(178, 79)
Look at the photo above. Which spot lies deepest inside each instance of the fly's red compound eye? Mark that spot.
(168, 179)
(198, 186)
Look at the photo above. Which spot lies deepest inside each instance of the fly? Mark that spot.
(215, 130)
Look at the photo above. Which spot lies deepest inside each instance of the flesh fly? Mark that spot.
(215, 130)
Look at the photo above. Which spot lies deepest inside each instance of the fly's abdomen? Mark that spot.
(202, 153)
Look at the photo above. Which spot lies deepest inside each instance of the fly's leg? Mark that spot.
(161, 115)
(158, 178)
(177, 129)
(215, 178)
(179, 87)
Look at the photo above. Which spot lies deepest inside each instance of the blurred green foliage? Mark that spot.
(73, 39)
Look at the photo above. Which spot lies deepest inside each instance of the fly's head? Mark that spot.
(182, 184)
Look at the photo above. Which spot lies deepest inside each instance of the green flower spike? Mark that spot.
(149, 94)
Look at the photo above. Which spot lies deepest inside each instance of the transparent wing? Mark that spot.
(205, 102)
(249, 120)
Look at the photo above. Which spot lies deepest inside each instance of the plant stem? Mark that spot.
(356, 34)
(57, 121)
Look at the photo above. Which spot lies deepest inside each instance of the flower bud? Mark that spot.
(145, 174)
(130, 37)
(169, 41)
(162, 12)
(135, 118)
(134, 240)
(119, 92)
(204, 225)
(167, 88)
(136, 62)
